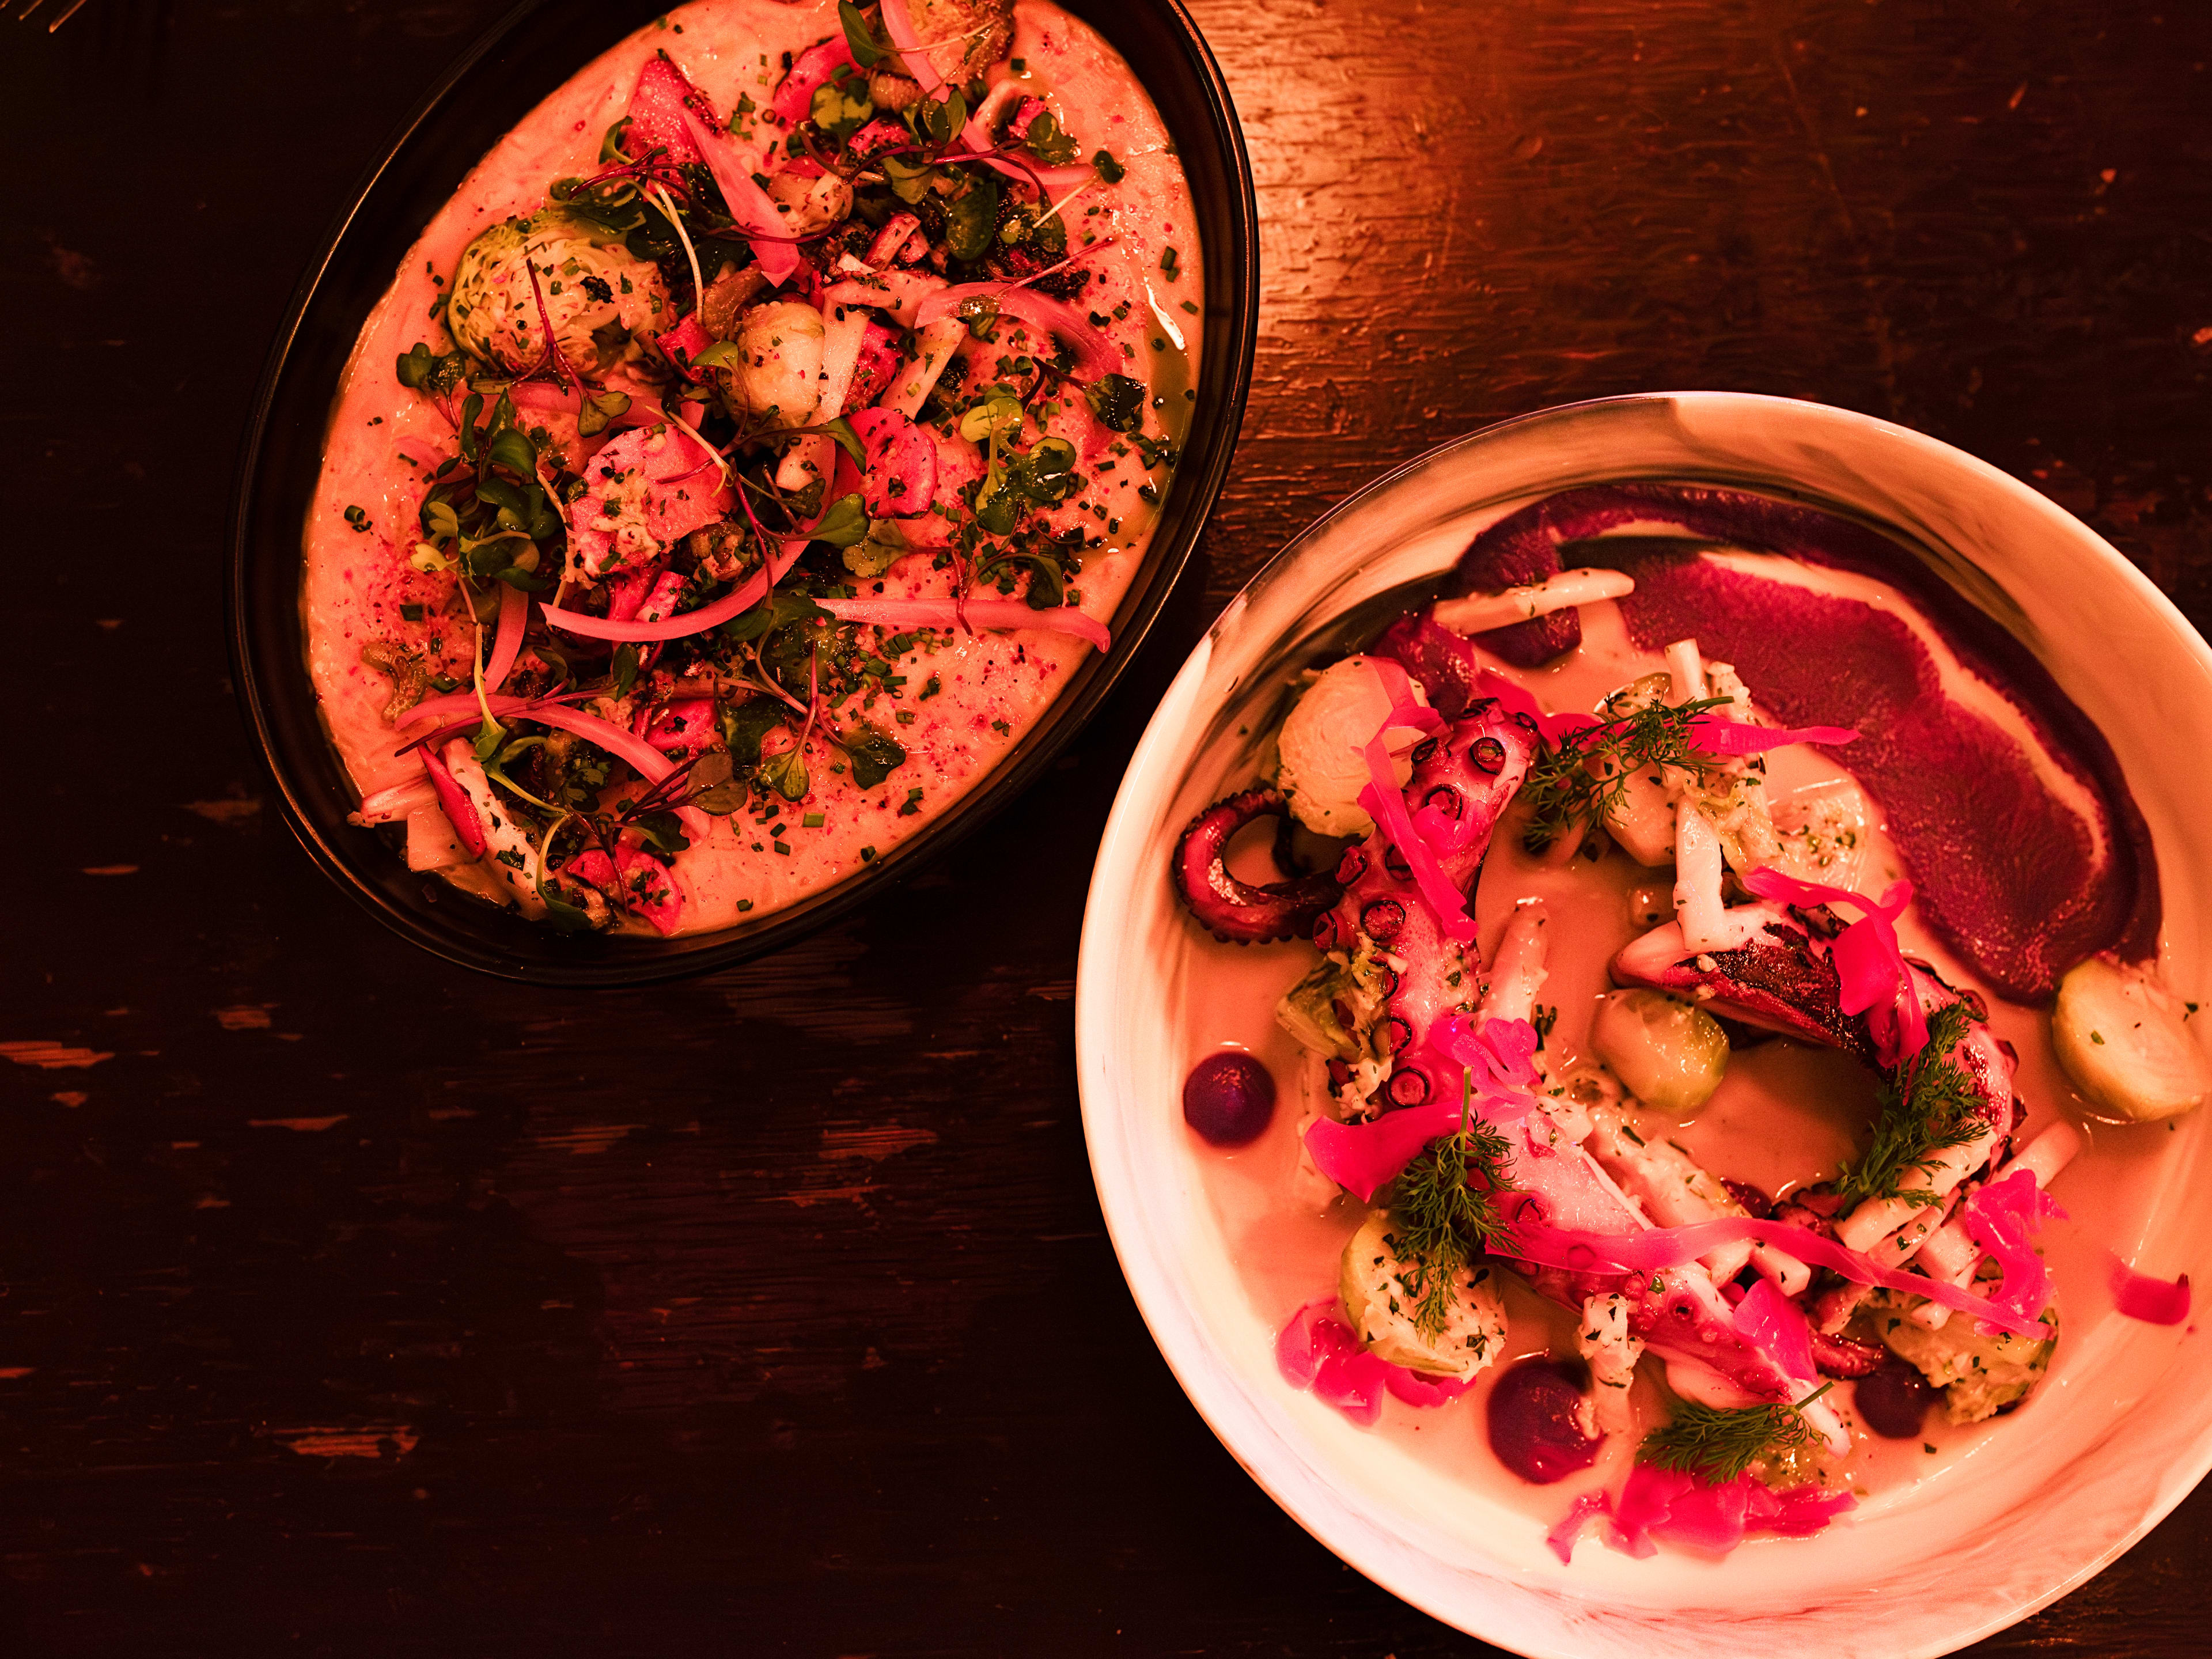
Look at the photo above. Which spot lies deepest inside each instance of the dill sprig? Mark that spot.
(1928, 1106)
(1717, 1443)
(1444, 1204)
(1584, 778)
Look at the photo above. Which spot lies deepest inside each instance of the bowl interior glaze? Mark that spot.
(2122, 1428)
(492, 85)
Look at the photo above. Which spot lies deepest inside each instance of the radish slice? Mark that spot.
(901, 479)
(795, 93)
(1012, 614)
(656, 112)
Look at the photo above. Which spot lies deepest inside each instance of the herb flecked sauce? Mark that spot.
(972, 700)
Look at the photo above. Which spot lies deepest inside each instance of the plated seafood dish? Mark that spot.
(1669, 996)
(741, 462)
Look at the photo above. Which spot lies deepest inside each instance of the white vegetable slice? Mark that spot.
(1478, 612)
(2122, 1038)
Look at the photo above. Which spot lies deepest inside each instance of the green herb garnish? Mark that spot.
(1578, 782)
(1928, 1105)
(1718, 1443)
(1444, 1206)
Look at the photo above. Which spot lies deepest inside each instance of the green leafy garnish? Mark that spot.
(1928, 1106)
(1582, 780)
(1717, 1443)
(844, 524)
(858, 38)
(971, 219)
(1444, 1203)
(1118, 401)
(1109, 169)
(1045, 141)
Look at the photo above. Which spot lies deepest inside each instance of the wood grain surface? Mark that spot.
(350, 1303)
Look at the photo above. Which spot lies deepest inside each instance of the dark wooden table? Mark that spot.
(352, 1303)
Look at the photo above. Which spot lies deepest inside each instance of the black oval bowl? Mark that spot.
(493, 86)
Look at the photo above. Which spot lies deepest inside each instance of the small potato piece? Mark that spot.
(1667, 1052)
(1373, 1284)
(2120, 1036)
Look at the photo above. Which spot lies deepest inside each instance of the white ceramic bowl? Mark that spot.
(2123, 1428)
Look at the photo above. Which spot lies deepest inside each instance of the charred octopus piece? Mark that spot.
(1243, 912)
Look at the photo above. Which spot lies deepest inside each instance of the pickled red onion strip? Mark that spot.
(899, 26)
(1095, 354)
(2154, 1301)
(506, 643)
(650, 763)
(1386, 804)
(1718, 735)
(383, 806)
(1319, 1351)
(1870, 962)
(1775, 1326)
(2001, 1215)
(1534, 1240)
(749, 204)
(742, 598)
(1590, 1506)
(1006, 614)
(1363, 1157)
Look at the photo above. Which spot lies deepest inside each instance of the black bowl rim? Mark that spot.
(998, 788)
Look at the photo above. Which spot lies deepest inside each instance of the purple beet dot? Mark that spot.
(1228, 1098)
(1534, 1423)
(1893, 1399)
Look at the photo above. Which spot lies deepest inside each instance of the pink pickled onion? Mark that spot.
(1534, 1240)
(1870, 962)
(1580, 1513)
(749, 203)
(2139, 1296)
(745, 595)
(1386, 804)
(651, 764)
(454, 800)
(1095, 354)
(1010, 614)
(506, 643)
(2001, 1215)
(1718, 735)
(1775, 1326)
(1318, 1351)
(1675, 1505)
(1362, 1157)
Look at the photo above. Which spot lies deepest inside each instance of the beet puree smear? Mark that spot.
(2004, 873)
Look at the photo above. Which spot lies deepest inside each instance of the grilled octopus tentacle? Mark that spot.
(1243, 912)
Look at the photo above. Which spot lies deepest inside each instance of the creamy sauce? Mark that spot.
(967, 704)
(1786, 1115)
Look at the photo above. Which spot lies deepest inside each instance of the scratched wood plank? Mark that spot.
(354, 1305)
